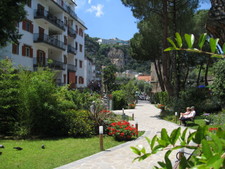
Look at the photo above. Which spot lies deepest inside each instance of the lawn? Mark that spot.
(57, 152)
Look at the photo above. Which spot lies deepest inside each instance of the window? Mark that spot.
(81, 80)
(81, 63)
(75, 79)
(65, 59)
(76, 29)
(65, 40)
(15, 49)
(40, 57)
(28, 26)
(28, 3)
(27, 51)
(65, 20)
(75, 62)
(76, 45)
(64, 78)
(81, 32)
(81, 48)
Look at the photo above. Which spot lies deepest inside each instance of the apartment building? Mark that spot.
(53, 36)
(90, 72)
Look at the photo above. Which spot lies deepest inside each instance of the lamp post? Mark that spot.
(176, 116)
(101, 138)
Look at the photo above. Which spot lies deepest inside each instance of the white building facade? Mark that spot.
(53, 36)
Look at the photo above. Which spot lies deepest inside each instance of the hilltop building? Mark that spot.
(53, 36)
(113, 41)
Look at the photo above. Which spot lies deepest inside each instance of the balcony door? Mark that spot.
(40, 10)
(41, 33)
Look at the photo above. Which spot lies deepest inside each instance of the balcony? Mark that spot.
(72, 68)
(72, 32)
(67, 9)
(43, 38)
(71, 49)
(49, 17)
(56, 65)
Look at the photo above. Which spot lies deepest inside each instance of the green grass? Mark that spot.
(58, 152)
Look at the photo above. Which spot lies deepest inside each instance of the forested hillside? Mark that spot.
(105, 55)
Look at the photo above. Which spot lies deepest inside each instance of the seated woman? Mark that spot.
(188, 115)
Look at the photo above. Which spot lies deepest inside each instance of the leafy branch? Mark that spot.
(211, 146)
(177, 44)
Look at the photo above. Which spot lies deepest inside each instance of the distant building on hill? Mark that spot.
(146, 78)
(113, 41)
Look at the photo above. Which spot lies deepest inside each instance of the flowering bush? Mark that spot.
(160, 106)
(131, 106)
(122, 130)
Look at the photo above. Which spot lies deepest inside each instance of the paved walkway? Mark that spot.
(121, 157)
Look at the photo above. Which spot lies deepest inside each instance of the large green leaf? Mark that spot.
(200, 134)
(172, 43)
(168, 163)
(189, 40)
(190, 137)
(179, 40)
(174, 136)
(164, 136)
(183, 136)
(206, 149)
(169, 49)
(135, 150)
(202, 40)
(153, 142)
(213, 44)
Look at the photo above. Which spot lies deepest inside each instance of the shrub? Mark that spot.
(119, 99)
(79, 124)
(201, 98)
(122, 130)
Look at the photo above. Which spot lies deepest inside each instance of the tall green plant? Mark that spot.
(8, 97)
(38, 106)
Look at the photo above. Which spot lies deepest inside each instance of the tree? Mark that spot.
(109, 78)
(165, 11)
(218, 86)
(11, 13)
(8, 97)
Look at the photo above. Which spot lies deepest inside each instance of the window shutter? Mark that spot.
(31, 52)
(24, 25)
(31, 27)
(13, 49)
(23, 50)
(38, 59)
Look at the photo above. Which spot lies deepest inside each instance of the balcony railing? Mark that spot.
(71, 67)
(49, 17)
(71, 49)
(67, 9)
(49, 40)
(56, 64)
(72, 32)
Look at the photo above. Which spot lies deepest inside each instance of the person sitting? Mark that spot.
(188, 115)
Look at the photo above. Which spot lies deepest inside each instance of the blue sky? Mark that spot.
(109, 18)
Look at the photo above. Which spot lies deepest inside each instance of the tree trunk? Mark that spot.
(199, 74)
(165, 55)
(159, 75)
(207, 70)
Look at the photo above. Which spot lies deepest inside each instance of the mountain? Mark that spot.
(113, 54)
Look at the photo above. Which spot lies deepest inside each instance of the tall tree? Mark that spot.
(11, 13)
(170, 13)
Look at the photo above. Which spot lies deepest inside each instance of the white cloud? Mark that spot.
(89, 1)
(98, 9)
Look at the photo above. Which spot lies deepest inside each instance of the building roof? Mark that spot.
(145, 78)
